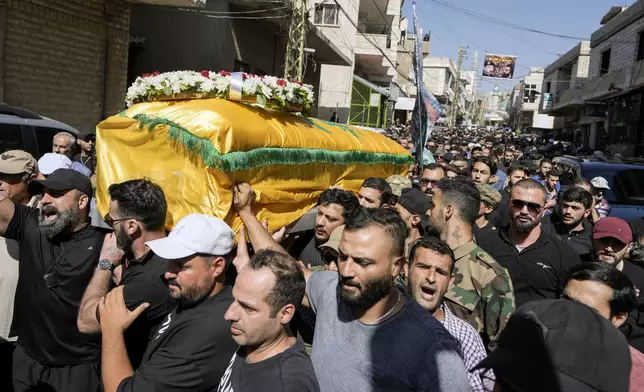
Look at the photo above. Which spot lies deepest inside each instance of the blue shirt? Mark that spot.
(543, 182)
(499, 185)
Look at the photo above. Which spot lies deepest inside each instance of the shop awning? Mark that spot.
(371, 85)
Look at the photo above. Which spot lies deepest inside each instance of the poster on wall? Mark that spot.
(499, 66)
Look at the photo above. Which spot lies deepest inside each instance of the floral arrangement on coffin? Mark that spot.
(266, 91)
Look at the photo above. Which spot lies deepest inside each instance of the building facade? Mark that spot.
(561, 97)
(616, 81)
(524, 105)
(65, 59)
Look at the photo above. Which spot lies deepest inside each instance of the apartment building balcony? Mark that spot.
(374, 53)
(174, 3)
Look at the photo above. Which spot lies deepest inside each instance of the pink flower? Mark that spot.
(205, 73)
(244, 76)
(155, 73)
(146, 75)
(224, 73)
(281, 82)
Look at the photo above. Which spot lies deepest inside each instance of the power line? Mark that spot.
(501, 22)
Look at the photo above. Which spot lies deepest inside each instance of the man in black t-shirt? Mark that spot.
(192, 347)
(87, 156)
(334, 207)
(271, 358)
(137, 213)
(58, 253)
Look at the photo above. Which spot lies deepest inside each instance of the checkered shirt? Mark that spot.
(472, 348)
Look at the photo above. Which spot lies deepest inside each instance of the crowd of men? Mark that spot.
(478, 272)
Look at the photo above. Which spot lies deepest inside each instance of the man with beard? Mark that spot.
(374, 193)
(430, 274)
(612, 244)
(87, 155)
(569, 224)
(500, 216)
(482, 291)
(334, 207)
(535, 260)
(432, 173)
(368, 337)
(192, 347)
(267, 291)
(58, 253)
(137, 213)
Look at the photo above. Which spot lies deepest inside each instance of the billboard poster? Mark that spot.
(499, 66)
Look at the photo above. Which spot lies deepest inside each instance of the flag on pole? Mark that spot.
(427, 109)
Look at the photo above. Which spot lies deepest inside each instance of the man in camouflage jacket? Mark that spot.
(482, 292)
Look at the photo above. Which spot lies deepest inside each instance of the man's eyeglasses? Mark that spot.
(533, 208)
(427, 181)
(111, 222)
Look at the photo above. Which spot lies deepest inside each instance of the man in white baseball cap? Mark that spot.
(600, 186)
(50, 162)
(193, 346)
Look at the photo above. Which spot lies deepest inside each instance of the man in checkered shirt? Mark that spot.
(430, 273)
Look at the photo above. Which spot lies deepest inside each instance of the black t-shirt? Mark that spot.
(143, 281)
(310, 254)
(45, 317)
(581, 241)
(89, 162)
(288, 371)
(537, 272)
(501, 216)
(481, 231)
(636, 275)
(189, 352)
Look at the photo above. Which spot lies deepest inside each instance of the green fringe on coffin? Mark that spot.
(244, 160)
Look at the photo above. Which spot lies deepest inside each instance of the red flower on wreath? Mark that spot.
(297, 82)
(281, 82)
(146, 75)
(244, 76)
(224, 73)
(205, 73)
(155, 73)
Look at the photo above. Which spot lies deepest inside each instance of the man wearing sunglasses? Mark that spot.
(137, 211)
(432, 173)
(87, 155)
(535, 260)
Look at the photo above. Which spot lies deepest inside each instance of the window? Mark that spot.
(548, 86)
(640, 46)
(326, 14)
(605, 64)
(11, 137)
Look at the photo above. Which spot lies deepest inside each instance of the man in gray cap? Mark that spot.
(17, 169)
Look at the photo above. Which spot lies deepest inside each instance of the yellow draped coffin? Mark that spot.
(197, 149)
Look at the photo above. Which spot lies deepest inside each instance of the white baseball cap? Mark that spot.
(600, 183)
(195, 233)
(51, 162)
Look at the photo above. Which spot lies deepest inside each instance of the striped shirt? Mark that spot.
(472, 348)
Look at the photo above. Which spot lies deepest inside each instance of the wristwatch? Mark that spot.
(105, 265)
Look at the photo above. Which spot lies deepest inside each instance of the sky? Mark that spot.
(450, 29)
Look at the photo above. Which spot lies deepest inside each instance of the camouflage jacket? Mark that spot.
(482, 293)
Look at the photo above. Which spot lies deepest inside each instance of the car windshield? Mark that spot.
(625, 185)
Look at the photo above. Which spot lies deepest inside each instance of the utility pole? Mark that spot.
(294, 64)
(453, 109)
(520, 114)
(475, 81)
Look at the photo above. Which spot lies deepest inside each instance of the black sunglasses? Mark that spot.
(110, 222)
(533, 208)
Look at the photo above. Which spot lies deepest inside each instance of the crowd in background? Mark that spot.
(477, 272)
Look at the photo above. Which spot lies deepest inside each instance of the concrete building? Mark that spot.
(65, 59)
(523, 109)
(364, 91)
(561, 96)
(250, 45)
(439, 75)
(616, 79)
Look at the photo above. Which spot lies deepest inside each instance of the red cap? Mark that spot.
(613, 227)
